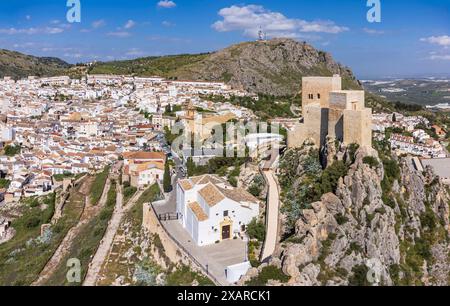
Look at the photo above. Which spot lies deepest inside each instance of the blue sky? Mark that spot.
(412, 39)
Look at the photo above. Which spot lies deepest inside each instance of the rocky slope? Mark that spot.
(18, 65)
(385, 223)
(273, 67)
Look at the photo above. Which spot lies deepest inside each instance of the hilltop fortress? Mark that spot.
(330, 111)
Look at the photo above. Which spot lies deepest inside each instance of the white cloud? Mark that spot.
(130, 24)
(373, 31)
(134, 52)
(167, 24)
(167, 4)
(438, 40)
(440, 57)
(98, 24)
(250, 18)
(32, 31)
(120, 34)
(73, 55)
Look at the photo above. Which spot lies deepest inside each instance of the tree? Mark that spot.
(12, 150)
(167, 181)
(190, 165)
(4, 183)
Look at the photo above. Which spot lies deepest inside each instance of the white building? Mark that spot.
(211, 210)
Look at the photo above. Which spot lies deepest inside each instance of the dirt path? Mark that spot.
(89, 212)
(106, 244)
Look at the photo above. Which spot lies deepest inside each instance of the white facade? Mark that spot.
(212, 211)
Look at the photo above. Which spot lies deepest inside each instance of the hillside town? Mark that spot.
(57, 131)
(60, 127)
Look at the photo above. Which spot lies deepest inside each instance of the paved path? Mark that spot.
(272, 216)
(105, 244)
(108, 239)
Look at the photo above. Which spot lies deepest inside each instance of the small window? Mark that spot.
(243, 228)
(318, 96)
(225, 213)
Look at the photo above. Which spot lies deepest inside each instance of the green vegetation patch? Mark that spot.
(87, 242)
(23, 258)
(184, 276)
(98, 186)
(256, 230)
(268, 273)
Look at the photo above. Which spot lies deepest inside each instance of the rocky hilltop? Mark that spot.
(18, 65)
(382, 221)
(274, 67)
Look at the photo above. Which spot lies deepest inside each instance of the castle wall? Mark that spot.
(336, 124)
(330, 111)
(319, 88)
(347, 99)
(296, 136)
(358, 127)
(315, 126)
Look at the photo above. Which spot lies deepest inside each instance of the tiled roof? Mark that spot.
(211, 195)
(198, 212)
(144, 155)
(238, 195)
(186, 185)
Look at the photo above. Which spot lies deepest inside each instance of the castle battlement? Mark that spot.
(330, 111)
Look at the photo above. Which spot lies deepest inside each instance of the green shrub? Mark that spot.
(128, 192)
(331, 176)
(371, 161)
(32, 222)
(255, 190)
(233, 181)
(341, 219)
(268, 273)
(256, 230)
(359, 277)
(4, 183)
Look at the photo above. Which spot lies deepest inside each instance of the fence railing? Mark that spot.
(169, 216)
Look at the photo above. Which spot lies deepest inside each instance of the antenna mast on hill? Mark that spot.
(261, 34)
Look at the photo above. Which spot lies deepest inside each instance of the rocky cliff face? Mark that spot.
(379, 226)
(273, 67)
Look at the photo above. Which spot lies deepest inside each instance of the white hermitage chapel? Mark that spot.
(212, 210)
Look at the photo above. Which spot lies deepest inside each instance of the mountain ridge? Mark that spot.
(269, 67)
(273, 67)
(18, 65)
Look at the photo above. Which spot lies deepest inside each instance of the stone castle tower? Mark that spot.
(330, 111)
